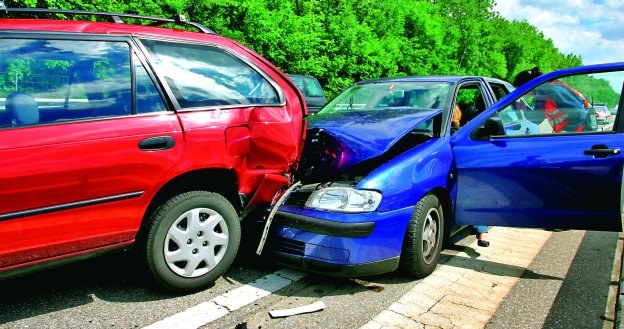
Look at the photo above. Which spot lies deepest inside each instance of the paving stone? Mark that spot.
(372, 325)
(408, 309)
(482, 303)
(431, 327)
(453, 310)
(390, 319)
(424, 289)
(422, 301)
(437, 281)
(448, 275)
(489, 280)
(433, 319)
(466, 323)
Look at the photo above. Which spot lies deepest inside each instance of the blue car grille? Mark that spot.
(288, 246)
(298, 198)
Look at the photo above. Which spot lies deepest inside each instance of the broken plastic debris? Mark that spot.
(369, 285)
(267, 225)
(314, 307)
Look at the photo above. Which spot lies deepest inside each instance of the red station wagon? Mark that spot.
(116, 134)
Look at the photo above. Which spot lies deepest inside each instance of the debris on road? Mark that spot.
(368, 285)
(314, 307)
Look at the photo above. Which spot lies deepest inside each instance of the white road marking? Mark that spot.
(220, 306)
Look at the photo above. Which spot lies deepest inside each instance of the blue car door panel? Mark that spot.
(547, 182)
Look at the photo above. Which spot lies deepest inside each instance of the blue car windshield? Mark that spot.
(376, 96)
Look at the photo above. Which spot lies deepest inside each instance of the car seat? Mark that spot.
(22, 109)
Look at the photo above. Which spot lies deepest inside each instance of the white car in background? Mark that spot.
(603, 115)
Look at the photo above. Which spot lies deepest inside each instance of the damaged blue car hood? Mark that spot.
(368, 134)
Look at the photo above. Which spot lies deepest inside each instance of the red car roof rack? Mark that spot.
(114, 17)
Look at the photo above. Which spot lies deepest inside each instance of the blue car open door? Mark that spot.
(567, 174)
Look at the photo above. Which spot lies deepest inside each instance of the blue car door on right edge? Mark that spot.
(566, 174)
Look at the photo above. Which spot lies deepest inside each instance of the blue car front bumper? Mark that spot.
(338, 244)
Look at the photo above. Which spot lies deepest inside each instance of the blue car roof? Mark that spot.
(440, 78)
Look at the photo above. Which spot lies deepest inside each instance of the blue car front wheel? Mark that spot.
(423, 240)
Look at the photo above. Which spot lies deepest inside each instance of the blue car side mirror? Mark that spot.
(493, 126)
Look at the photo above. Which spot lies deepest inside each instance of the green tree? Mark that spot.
(343, 41)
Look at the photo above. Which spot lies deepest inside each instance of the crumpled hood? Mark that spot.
(370, 133)
(338, 141)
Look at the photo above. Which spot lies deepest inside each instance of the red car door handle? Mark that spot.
(602, 151)
(157, 143)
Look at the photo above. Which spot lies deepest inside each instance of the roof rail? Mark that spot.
(114, 17)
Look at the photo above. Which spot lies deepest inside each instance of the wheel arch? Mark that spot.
(423, 242)
(447, 208)
(222, 181)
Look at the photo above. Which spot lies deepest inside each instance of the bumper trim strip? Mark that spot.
(326, 227)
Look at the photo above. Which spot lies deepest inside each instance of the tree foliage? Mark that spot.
(595, 88)
(343, 41)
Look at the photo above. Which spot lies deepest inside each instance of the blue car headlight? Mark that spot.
(344, 199)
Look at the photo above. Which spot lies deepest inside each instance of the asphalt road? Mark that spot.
(525, 279)
(572, 283)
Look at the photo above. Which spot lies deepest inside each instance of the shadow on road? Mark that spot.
(583, 296)
(116, 278)
(490, 267)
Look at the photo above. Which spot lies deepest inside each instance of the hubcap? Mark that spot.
(430, 235)
(196, 242)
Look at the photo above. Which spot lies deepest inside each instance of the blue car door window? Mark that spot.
(471, 101)
(566, 105)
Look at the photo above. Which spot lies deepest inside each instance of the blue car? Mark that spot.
(385, 179)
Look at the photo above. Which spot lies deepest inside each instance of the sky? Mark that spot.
(591, 29)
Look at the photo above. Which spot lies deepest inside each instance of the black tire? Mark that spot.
(211, 231)
(419, 256)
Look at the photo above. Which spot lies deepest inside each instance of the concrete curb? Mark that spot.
(619, 303)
